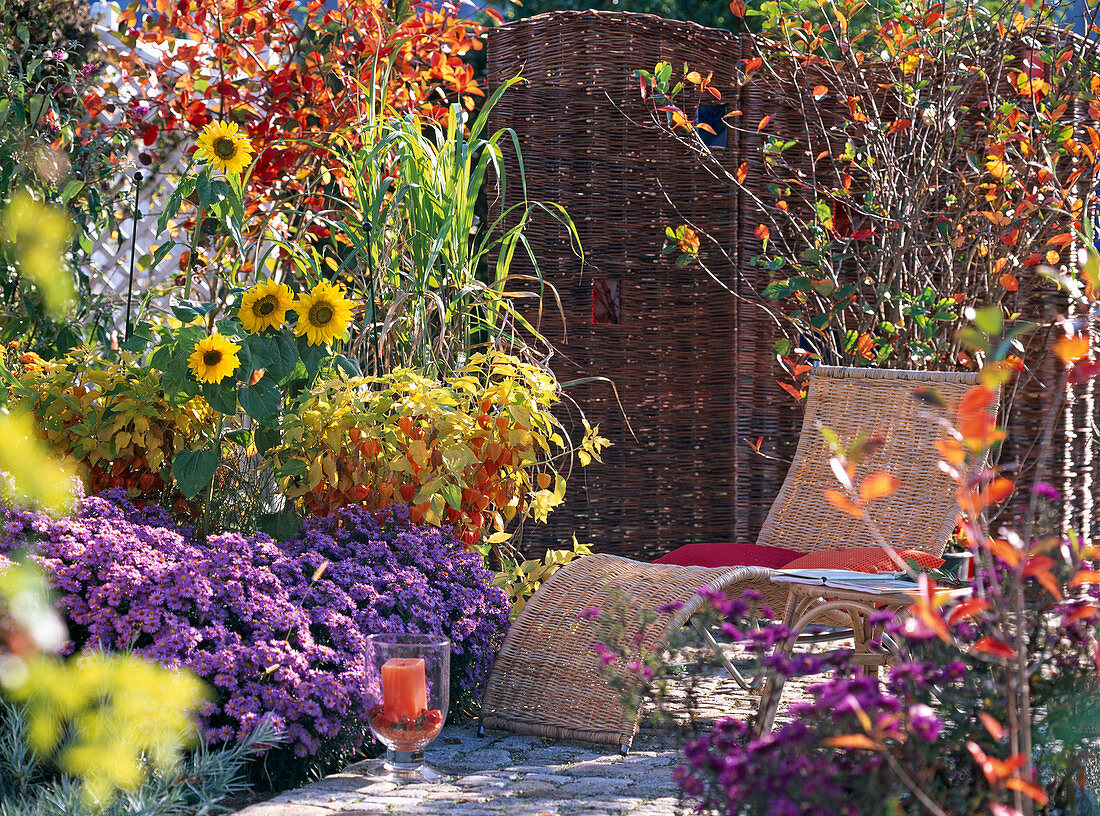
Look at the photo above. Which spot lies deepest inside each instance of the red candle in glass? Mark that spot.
(404, 688)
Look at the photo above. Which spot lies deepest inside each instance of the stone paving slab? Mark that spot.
(504, 773)
(501, 774)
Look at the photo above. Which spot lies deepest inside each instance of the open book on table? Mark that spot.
(883, 583)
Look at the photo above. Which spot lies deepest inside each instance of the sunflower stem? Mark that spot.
(192, 258)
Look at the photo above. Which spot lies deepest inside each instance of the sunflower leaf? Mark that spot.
(262, 400)
(193, 470)
(222, 397)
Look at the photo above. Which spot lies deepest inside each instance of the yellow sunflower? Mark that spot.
(264, 306)
(214, 358)
(323, 314)
(224, 148)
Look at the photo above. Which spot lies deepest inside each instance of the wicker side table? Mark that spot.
(812, 601)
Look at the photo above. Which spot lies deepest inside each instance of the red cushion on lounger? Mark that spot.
(863, 559)
(729, 555)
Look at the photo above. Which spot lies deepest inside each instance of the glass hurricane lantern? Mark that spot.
(408, 692)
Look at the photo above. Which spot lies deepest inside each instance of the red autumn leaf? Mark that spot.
(150, 135)
(1061, 240)
(842, 503)
(997, 648)
(1084, 371)
(1037, 564)
(762, 232)
(1009, 282)
(752, 64)
(899, 125)
(738, 8)
(967, 609)
(863, 234)
(877, 486)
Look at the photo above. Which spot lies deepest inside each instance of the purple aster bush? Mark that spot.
(276, 629)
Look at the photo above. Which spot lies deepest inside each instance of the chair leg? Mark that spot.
(773, 685)
(746, 683)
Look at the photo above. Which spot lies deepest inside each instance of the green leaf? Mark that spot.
(349, 367)
(990, 320)
(222, 396)
(280, 526)
(311, 355)
(453, 494)
(240, 437)
(782, 346)
(262, 400)
(294, 467)
(267, 439)
(188, 310)
(777, 290)
(193, 470)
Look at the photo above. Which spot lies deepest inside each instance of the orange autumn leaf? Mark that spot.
(999, 490)
(1085, 577)
(738, 8)
(878, 485)
(996, 166)
(843, 503)
(762, 232)
(1005, 551)
(951, 450)
(977, 398)
(742, 172)
(852, 741)
(995, 729)
(1071, 349)
(979, 431)
(1009, 282)
(820, 91)
(1027, 789)
(763, 123)
(694, 77)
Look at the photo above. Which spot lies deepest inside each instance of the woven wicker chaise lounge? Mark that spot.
(546, 679)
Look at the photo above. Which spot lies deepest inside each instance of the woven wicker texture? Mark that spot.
(545, 680)
(923, 513)
(693, 364)
(690, 363)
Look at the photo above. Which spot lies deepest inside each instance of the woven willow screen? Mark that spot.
(690, 357)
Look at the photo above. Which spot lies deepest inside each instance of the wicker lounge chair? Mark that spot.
(546, 681)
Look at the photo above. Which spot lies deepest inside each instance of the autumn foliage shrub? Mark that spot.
(477, 450)
(988, 705)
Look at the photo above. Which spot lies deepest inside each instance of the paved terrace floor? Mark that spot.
(527, 776)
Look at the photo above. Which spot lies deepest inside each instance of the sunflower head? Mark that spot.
(264, 306)
(214, 358)
(224, 148)
(323, 315)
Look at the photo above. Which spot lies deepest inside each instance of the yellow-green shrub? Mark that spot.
(479, 450)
